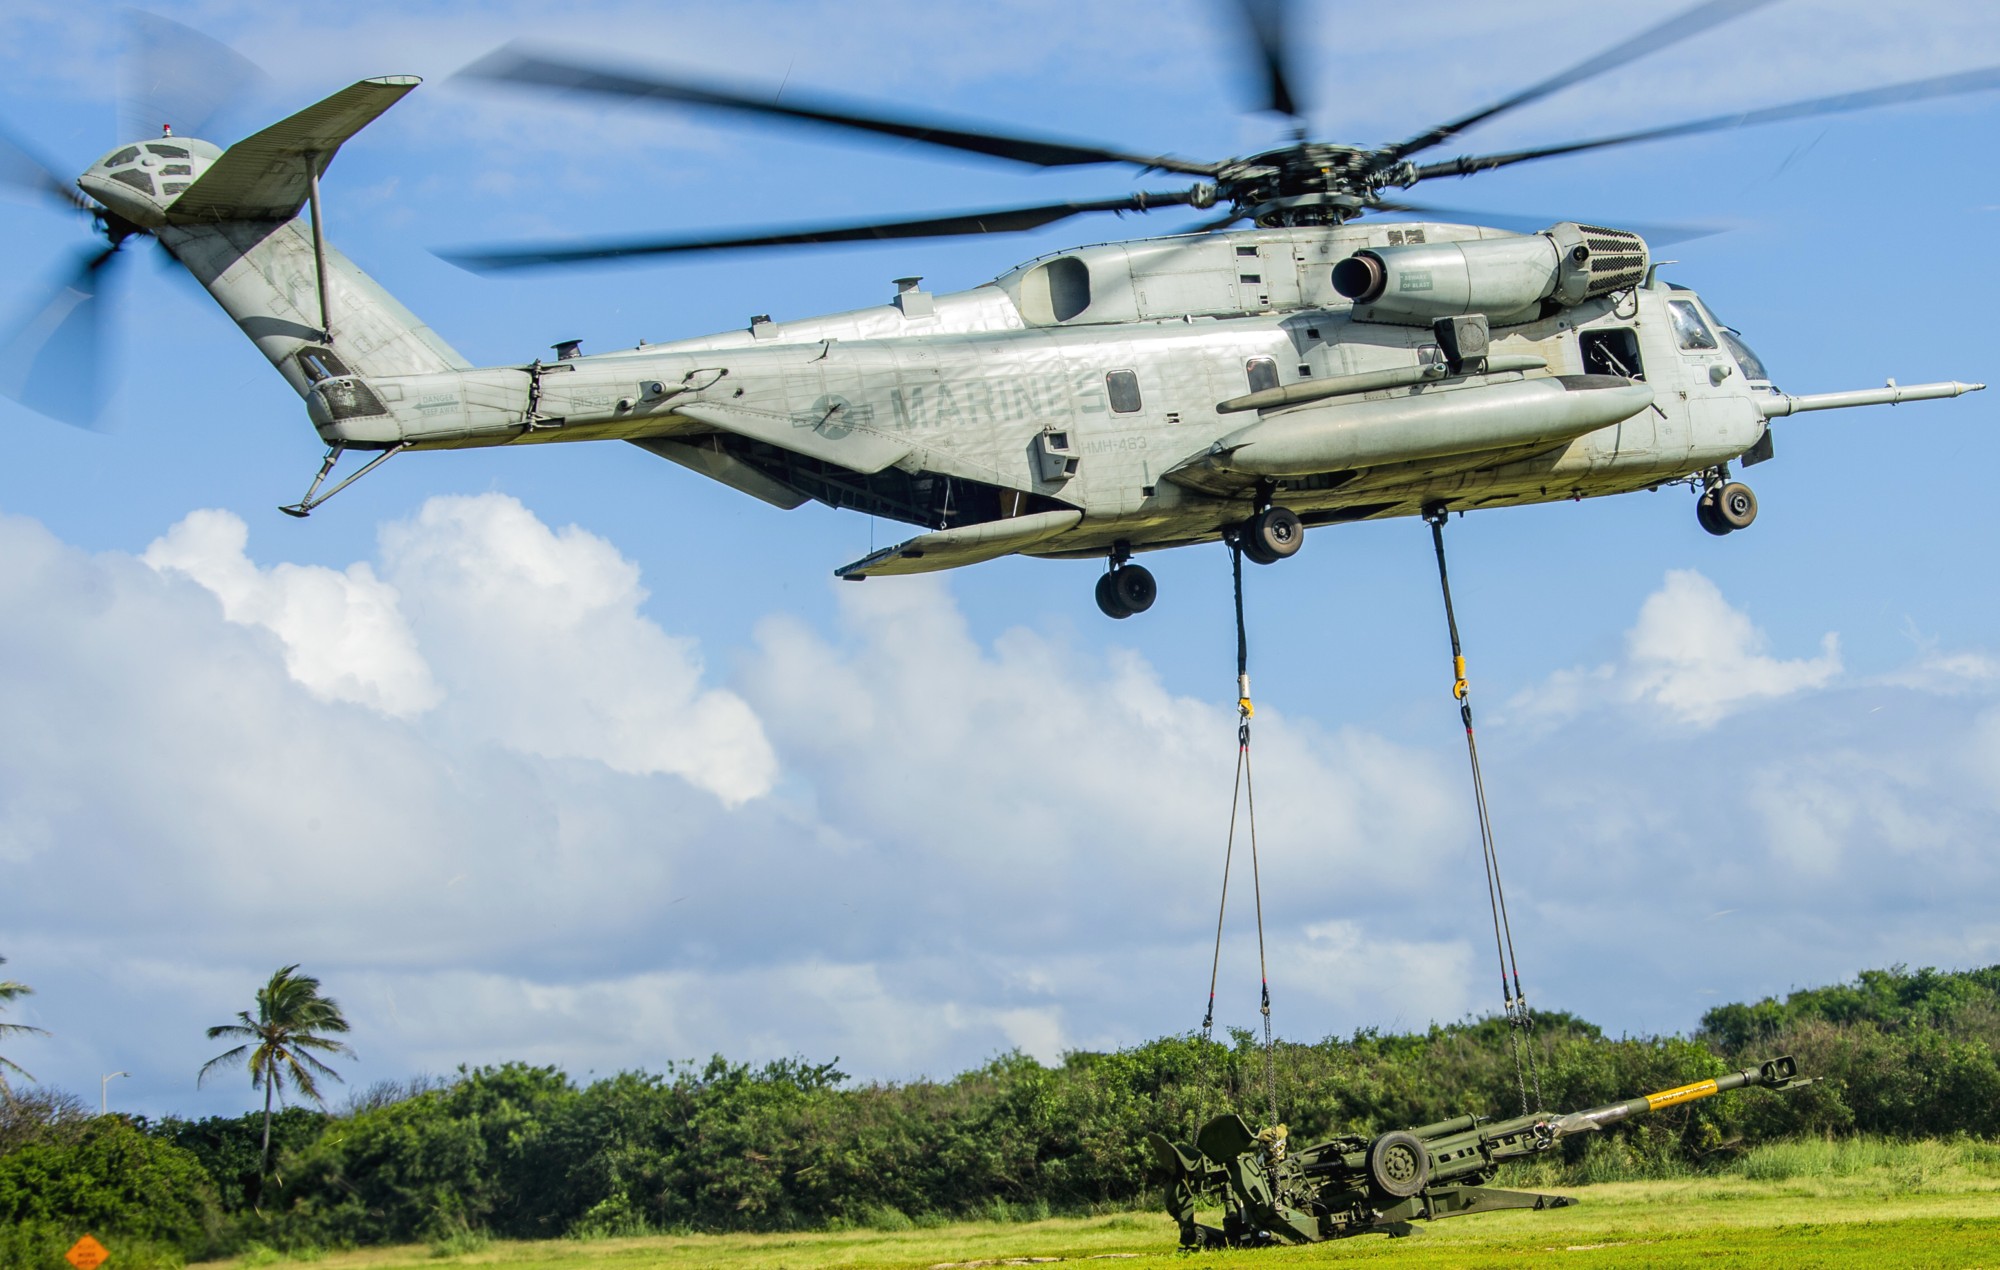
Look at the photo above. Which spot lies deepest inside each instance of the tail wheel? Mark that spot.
(1273, 535)
(1735, 505)
(1398, 1164)
(1134, 588)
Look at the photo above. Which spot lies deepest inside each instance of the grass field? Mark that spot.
(1787, 1205)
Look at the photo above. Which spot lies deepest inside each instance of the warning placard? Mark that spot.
(86, 1254)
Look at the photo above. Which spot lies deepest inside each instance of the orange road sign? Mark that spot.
(86, 1254)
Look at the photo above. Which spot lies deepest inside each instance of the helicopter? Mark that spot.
(1288, 363)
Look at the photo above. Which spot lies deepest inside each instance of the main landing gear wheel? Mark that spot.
(1735, 505)
(1727, 508)
(1127, 590)
(1272, 535)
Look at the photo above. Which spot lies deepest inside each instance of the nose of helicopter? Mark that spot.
(140, 180)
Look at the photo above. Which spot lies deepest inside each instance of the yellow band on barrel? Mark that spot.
(1685, 1093)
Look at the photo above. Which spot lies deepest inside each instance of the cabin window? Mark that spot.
(1612, 351)
(168, 152)
(126, 155)
(1262, 373)
(1690, 332)
(137, 180)
(1056, 292)
(1122, 386)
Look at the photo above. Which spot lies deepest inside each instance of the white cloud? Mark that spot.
(965, 843)
(1692, 655)
(543, 647)
(343, 635)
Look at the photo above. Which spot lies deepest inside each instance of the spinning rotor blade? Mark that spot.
(176, 76)
(1681, 26)
(1000, 221)
(1269, 25)
(50, 362)
(1655, 235)
(511, 64)
(22, 169)
(1977, 81)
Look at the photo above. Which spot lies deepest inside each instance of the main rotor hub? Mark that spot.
(1307, 183)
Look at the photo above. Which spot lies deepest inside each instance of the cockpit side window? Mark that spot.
(1690, 331)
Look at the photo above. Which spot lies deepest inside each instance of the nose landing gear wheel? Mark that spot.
(1272, 535)
(1126, 591)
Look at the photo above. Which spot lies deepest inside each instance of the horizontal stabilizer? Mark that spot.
(268, 176)
(970, 544)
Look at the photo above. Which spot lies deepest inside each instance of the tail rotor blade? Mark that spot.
(50, 363)
(22, 169)
(176, 76)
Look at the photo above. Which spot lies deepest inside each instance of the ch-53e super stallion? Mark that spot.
(1240, 384)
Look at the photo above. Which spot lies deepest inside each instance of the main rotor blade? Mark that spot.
(512, 64)
(23, 169)
(1656, 235)
(50, 362)
(1975, 81)
(999, 221)
(1269, 25)
(1690, 22)
(176, 76)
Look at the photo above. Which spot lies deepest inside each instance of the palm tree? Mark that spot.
(292, 1019)
(11, 991)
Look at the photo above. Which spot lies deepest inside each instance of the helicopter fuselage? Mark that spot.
(1089, 385)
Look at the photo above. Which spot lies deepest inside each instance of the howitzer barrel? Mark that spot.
(1775, 1074)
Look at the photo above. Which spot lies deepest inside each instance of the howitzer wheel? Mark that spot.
(1399, 1165)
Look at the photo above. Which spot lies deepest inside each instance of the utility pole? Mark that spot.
(103, 1093)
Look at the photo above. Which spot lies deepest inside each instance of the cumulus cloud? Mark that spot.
(960, 843)
(1692, 655)
(537, 632)
(343, 634)
(544, 648)
(889, 839)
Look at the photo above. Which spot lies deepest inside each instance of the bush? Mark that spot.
(148, 1199)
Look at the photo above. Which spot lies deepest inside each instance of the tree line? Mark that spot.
(520, 1151)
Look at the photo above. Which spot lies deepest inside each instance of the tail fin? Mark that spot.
(236, 228)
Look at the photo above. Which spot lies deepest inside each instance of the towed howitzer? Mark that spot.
(1353, 1185)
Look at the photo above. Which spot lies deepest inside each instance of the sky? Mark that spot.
(565, 755)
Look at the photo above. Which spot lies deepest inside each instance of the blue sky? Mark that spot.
(564, 754)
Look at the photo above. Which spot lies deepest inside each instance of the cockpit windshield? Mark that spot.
(1732, 339)
(1753, 366)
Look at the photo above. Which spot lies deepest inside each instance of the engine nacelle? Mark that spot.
(1507, 279)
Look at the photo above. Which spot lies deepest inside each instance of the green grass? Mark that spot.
(1804, 1204)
